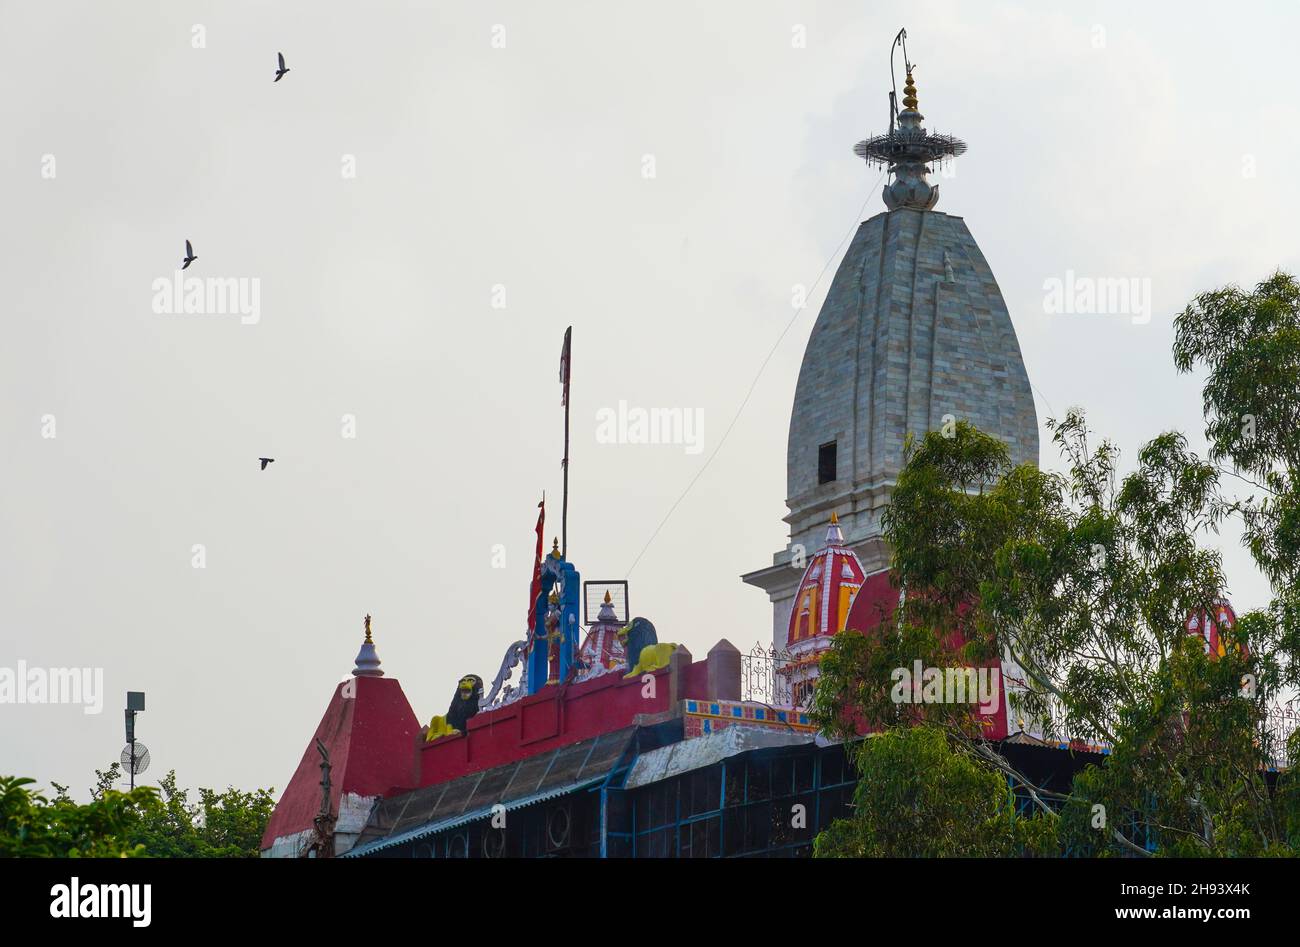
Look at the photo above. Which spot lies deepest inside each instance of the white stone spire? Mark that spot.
(913, 332)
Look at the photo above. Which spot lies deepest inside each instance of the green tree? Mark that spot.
(1249, 343)
(225, 824)
(155, 822)
(1084, 582)
(32, 826)
(922, 796)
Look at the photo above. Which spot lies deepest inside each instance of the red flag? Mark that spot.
(564, 366)
(536, 589)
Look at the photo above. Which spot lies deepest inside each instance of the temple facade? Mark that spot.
(598, 739)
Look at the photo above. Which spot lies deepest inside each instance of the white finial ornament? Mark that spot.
(367, 663)
(607, 615)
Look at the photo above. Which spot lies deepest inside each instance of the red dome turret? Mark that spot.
(1211, 628)
(821, 607)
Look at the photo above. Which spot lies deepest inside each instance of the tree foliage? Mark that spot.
(33, 826)
(921, 796)
(156, 822)
(225, 824)
(1249, 342)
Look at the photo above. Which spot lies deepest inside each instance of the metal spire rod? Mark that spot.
(564, 509)
(899, 40)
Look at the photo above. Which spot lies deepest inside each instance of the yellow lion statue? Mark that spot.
(644, 651)
(653, 657)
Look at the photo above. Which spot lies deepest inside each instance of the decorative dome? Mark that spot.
(602, 652)
(830, 583)
(1209, 628)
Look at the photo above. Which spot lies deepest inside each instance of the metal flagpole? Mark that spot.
(566, 359)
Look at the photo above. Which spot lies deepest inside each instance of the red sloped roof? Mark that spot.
(371, 739)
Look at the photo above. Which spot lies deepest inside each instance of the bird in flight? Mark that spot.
(266, 460)
(279, 74)
(189, 256)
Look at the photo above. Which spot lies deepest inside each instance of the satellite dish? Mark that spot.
(141, 758)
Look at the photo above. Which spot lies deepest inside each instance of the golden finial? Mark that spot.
(555, 548)
(369, 640)
(909, 92)
(608, 600)
(835, 519)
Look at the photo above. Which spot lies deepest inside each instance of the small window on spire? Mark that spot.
(826, 462)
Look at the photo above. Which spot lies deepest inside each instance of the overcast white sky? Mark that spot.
(1155, 141)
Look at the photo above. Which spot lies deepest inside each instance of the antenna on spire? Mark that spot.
(899, 40)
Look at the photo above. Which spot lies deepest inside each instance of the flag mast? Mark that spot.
(565, 365)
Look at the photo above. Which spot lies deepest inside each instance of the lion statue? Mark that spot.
(464, 704)
(642, 647)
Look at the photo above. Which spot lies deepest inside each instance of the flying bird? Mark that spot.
(189, 256)
(282, 70)
(266, 460)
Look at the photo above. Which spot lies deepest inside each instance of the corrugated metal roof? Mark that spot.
(526, 782)
(698, 752)
(481, 813)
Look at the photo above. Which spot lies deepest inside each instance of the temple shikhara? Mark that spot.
(598, 735)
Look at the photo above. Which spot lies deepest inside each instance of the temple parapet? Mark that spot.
(557, 716)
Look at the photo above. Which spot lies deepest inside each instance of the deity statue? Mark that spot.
(554, 639)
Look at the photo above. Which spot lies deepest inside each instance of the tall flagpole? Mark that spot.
(564, 513)
(566, 360)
